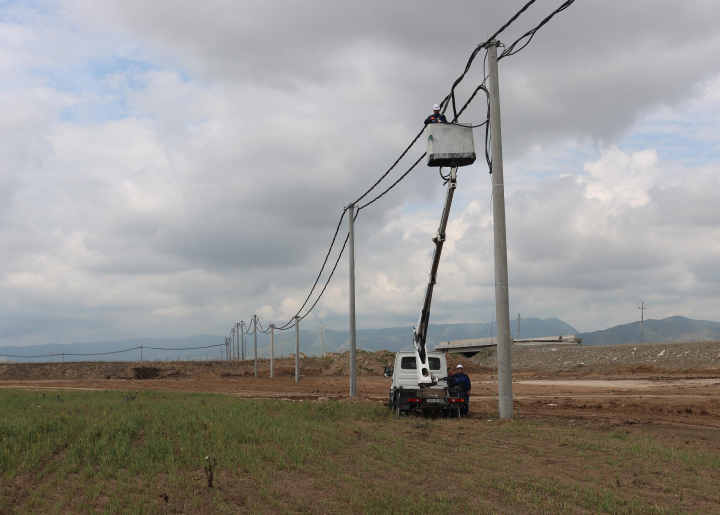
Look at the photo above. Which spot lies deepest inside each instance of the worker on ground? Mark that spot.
(461, 380)
(436, 117)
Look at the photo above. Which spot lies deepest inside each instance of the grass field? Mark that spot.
(95, 452)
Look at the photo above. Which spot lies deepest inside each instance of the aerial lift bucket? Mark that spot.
(450, 144)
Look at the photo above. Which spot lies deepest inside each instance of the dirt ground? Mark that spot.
(603, 393)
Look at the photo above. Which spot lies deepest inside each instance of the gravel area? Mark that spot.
(697, 357)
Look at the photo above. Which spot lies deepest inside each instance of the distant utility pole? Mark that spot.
(518, 333)
(255, 333)
(297, 348)
(322, 339)
(272, 349)
(242, 339)
(351, 259)
(502, 297)
(642, 320)
(232, 344)
(237, 341)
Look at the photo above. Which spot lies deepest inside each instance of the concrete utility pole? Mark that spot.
(239, 331)
(297, 348)
(242, 339)
(322, 339)
(272, 349)
(642, 320)
(502, 298)
(232, 344)
(353, 366)
(255, 333)
(518, 333)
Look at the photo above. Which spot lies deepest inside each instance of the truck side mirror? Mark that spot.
(388, 372)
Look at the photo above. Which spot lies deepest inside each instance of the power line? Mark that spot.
(444, 104)
(510, 50)
(110, 352)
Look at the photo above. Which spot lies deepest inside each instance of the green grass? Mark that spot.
(95, 453)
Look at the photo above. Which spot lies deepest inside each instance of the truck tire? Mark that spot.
(391, 401)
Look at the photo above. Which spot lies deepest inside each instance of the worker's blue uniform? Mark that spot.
(435, 118)
(462, 380)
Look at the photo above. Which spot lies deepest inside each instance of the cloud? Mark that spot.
(172, 168)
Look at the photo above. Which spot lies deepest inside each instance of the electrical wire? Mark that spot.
(332, 272)
(444, 105)
(393, 184)
(451, 95)
(511, 50)
(108, 353)
(327, 255)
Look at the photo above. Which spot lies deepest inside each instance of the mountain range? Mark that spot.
(672, 329)
(314, 341)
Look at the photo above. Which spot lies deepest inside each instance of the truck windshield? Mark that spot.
(409, 363)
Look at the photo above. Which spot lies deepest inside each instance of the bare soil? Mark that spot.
(663, 387)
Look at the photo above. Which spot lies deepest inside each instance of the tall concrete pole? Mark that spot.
(272, 349)
(242, 339)
(237, 342)
(502, 298)
(255, 333)
(297, 349)
(232, 344)
(351, 259)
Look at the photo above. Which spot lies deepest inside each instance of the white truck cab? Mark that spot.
(406, 395)
(405, 371)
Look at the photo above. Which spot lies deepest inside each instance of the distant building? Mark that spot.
(471, 347)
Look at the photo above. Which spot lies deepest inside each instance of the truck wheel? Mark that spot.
(391, 401)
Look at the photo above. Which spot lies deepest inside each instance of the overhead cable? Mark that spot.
(110, 352)
(456, 114)
(510, 50)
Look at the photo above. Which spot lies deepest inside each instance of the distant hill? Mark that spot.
(400, 338)
(672, 329)
(392, 339)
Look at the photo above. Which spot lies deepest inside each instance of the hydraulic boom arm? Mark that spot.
(425, 378)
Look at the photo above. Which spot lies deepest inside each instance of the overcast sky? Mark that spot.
(169, 168)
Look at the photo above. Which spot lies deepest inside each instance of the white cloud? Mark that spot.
(162, 173)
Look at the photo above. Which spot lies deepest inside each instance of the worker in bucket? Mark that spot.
(436, 117)
(463, 381)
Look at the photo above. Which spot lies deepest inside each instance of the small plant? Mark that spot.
(210, 465)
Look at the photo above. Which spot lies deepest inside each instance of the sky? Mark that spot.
(170, 168)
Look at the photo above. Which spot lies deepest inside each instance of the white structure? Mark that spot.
(450, 144)
(477, 344)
